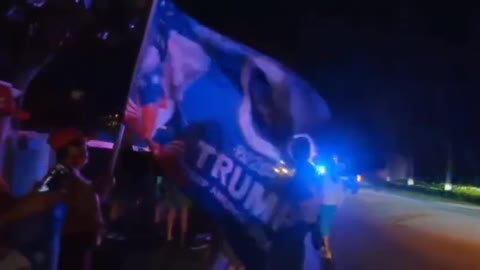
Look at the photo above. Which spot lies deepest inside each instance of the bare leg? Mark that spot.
(115, 211)
(172, 214)
(328, 250)
(184, 224)
(158, 213)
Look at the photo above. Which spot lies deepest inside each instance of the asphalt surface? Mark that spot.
(379, 230)
(373, 231)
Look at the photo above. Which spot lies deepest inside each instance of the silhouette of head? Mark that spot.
(300, 150)
(70, 147)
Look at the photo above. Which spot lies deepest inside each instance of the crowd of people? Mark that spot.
(221, 100)
(70, 206)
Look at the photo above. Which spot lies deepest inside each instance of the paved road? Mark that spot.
(377, 230)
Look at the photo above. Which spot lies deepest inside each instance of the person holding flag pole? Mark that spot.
(216, 118)
(65, 185)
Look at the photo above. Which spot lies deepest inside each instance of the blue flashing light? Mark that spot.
(322, 170)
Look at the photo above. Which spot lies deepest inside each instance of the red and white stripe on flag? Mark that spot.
(176, 147)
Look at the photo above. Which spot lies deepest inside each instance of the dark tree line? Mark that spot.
(401, 77)
(408, 79)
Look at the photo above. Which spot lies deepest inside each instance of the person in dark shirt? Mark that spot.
(287, 251)
(83, 220)
(64, 188)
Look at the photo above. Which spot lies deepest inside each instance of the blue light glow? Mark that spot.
(322, 170)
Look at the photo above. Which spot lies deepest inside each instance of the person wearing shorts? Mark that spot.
(331, 199)
(176, 203)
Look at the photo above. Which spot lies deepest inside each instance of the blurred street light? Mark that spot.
(447, 187)
(410, 182)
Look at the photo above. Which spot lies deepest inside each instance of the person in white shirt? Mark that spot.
(333, 194)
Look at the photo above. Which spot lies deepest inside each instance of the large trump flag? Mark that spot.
(223, 112)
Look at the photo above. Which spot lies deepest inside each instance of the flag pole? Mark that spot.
(121, 130)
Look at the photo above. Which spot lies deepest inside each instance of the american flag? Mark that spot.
(177, 147)
(133, 110)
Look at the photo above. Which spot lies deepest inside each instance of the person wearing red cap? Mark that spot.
(65, 187)
(8, 104)
(83, 222)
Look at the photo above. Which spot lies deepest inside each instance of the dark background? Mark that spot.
(400, 76)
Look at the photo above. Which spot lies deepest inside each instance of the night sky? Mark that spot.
(400, 76)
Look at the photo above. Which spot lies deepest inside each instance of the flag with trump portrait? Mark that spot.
(220, 115)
